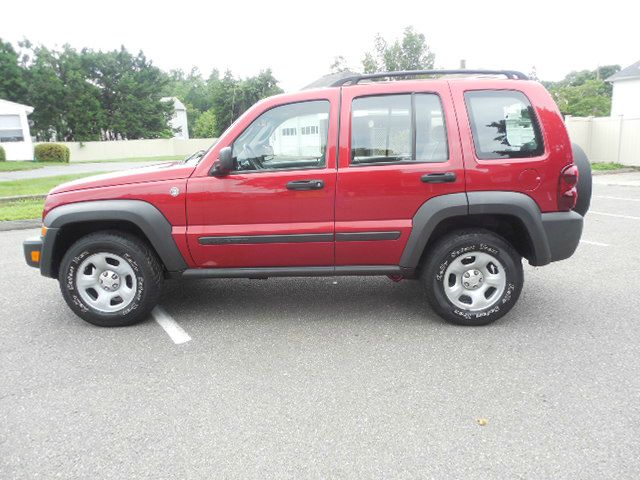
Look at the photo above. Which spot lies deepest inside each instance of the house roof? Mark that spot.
(632, 71)
(329, 79)
(6, 105)
(177, 104)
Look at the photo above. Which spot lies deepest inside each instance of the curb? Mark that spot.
(17, 198)
(613, 172)
(8, 225)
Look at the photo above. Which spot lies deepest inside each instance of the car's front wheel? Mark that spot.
(110, 279)
(472, 277)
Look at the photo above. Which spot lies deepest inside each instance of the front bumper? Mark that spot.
(563, 231)
(33, 251)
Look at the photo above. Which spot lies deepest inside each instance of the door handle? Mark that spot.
(446, 177)
(306, 185)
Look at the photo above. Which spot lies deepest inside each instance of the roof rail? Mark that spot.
(353, 80)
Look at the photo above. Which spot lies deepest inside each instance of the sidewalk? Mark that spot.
(629, 179)
(72, 169)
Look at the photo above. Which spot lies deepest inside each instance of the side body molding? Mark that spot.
(144, 215)
(426, 219)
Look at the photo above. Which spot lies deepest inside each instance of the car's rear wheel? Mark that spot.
(110, 279)
(472, 277)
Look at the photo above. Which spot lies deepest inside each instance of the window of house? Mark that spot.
(277, 138)
(398, 128)
(10, 129)
(504, 125)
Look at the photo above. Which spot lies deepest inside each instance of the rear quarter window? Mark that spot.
(503, 124)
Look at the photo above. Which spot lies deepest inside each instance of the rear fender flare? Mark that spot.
(513, 204)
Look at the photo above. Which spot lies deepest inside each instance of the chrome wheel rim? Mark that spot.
(474, 281)
(106, 282)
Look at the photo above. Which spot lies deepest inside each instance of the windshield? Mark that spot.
(195, 158)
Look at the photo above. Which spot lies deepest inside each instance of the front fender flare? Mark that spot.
(145, 216)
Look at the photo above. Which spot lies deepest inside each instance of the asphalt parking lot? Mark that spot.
(333, 378)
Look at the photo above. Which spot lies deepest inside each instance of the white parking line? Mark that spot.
(598, 244)
(628, 217)
(617, 198)
(175, 331)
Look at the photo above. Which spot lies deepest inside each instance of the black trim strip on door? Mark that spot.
(366, 236)
(246, 239)
(299, 238)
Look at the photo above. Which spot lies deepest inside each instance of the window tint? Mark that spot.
(431, 135)
(275, 139)
(504, 125)
(381, 129)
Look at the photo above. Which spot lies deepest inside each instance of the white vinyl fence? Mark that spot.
(607, 139)
(119, 149)
(604, 139)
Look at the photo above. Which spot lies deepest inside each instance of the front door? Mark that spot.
(276, 209)
(399, 147)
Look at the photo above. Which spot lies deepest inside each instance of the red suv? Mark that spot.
(451, 180)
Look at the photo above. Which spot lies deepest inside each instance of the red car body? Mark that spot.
(369, 198)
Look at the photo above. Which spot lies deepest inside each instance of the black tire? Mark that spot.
(461, 245)
(139, 257)
(584, 185)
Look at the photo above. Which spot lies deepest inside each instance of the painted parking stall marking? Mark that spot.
(628, 217)
(607, 197)
(597, 244)
(169, 325)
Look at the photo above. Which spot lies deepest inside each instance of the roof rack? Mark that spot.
(353, 80)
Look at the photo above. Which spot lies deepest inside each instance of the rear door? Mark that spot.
(399, 147)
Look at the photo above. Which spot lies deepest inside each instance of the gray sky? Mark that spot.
(299, 39)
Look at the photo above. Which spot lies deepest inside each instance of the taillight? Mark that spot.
(567, 192)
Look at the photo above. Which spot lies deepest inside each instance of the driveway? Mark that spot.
(332, 378)
(71, 169)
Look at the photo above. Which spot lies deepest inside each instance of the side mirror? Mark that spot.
(224, 164)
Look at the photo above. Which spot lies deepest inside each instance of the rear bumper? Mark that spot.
(33, 251)
(563, 231)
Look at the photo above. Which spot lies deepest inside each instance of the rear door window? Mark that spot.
(504, 125)
(398, 128)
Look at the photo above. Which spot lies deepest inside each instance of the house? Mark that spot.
(178, 121)
(15, 137)
(626, 91)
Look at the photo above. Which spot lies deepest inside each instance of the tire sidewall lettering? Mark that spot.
(70, 281)
(455, 253)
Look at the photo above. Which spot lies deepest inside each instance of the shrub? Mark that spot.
(3, 156)
(52, 152)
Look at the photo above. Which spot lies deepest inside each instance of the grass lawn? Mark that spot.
(37, 186)
(21, 210)
(26, 165)
(607, 166)
(25, 209)
(15, 166)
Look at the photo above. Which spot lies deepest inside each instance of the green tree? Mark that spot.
(46, 94)
(587, 99)
(131, 89)
(409, 53)
(12, 81)
(339, 65)
(232, 97)
(205, 126)
(584, 93)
